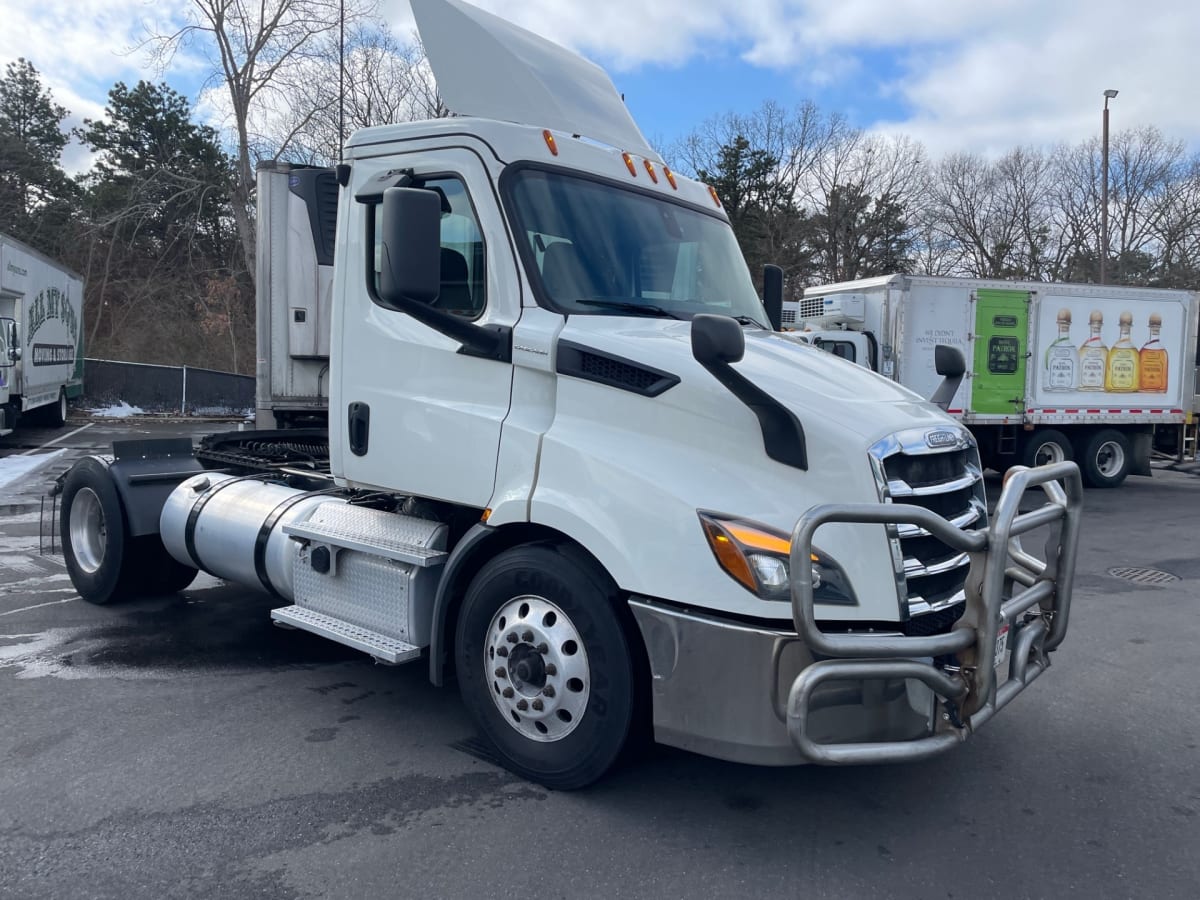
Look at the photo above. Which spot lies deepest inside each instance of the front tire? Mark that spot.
(545, 666)
(1106, 459)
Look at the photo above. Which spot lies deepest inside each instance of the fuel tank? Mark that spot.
(233, 528)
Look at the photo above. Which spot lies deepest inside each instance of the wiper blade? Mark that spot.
(747, 320)
(636, 308)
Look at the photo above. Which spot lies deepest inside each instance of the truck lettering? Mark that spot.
(52, 354)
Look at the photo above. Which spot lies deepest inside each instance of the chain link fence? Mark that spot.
(174, 390)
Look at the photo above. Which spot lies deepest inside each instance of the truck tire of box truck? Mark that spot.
(1105, 457)
(1045, 446)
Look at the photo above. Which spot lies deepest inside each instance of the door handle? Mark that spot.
(358, 423)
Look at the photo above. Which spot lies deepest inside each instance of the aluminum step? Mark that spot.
(404, 539)
(380, 646)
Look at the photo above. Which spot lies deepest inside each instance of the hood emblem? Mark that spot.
(936, 439)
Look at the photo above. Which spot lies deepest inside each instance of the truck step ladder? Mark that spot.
(380, 646)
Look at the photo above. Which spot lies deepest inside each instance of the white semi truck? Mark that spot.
(41, 335)
(1056, 372)
(570, 462)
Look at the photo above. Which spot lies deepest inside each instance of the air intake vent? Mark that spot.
(614, 371)
(812, 307)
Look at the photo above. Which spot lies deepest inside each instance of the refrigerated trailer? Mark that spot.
(571, 460)
(1055, 371)
(41, 335)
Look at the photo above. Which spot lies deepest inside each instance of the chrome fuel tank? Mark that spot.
(233, 528)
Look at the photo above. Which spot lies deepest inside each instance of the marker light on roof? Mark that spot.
(550, 142)
(712, 192)
(650, 170)
(670, 177)
(629, 164)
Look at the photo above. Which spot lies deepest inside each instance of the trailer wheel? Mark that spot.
(1046, 446)
(1106, 459)
(545, 667)
(93, 533)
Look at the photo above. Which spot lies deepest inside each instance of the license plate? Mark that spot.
(1002, 647)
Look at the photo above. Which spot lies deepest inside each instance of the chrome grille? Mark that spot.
(937, 469)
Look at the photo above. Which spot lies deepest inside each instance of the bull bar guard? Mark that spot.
(1037, 614)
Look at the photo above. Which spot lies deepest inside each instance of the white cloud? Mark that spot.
(978, 76)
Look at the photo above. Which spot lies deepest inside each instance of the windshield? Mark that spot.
(602, 250)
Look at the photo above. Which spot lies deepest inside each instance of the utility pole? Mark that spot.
(1108, 95)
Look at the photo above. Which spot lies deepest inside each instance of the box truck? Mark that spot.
(41, 335)
(570, 461)
(1080, 372)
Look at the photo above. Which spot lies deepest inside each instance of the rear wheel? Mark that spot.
(545, 666)
(105, 563)
(1046, 446)
(1106, 459)
(55, 414)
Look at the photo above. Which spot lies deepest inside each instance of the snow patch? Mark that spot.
(13, 468)
(119, 410)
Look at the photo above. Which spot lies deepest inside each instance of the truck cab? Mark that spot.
(572, 461)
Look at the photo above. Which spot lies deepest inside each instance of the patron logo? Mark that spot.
(53, 354)
(938, 439)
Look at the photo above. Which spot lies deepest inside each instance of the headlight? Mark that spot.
(757, 557)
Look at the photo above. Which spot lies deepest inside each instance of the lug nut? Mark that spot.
(538, 704)
(527, 637)
(502, 672)
(522, 705)
(548, 690)
(543, 648)
(551, 669)
(511, 637)
(507, 693)
(502, 650)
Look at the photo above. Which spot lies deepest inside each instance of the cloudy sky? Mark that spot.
(955, 74)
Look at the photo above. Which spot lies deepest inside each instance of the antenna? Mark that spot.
(342, 81)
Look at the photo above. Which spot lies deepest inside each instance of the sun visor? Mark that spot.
(490, 68)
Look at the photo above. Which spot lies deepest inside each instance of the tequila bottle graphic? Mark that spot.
(1152, 361)
(1061, 357)
(1121, 374)
(1093, 356)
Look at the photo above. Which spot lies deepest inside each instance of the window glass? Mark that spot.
(464, 272)
(603, 250)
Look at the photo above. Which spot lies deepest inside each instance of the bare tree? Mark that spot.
(251, 45)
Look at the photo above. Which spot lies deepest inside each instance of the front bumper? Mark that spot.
(778, 697)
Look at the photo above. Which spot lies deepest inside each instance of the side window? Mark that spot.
(843, 349)
(463, 257)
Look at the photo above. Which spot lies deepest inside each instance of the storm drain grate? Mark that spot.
(1139, 575)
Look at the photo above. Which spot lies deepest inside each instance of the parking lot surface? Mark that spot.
(182, 747)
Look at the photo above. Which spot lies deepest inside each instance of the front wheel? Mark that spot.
(545, 667)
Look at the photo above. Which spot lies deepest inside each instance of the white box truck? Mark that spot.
(41, 335)
(1055, 371)
(568, 461)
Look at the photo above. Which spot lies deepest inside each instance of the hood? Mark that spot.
(811, 383)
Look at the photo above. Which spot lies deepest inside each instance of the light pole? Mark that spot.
(1108, 95)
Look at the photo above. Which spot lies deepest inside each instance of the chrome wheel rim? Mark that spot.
(1110, 459)
(1049, 453)
(89, 534)
(537, 669)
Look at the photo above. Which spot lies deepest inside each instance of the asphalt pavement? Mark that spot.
(183, 747)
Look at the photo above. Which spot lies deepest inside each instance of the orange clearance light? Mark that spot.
(670, 178)
(487, 514)
(629, 164)
(712, 192)
(550, 142)
(650, 170)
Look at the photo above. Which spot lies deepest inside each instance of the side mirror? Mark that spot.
(773, 295)
(717, 340)
(411, 264)
(950, 363)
